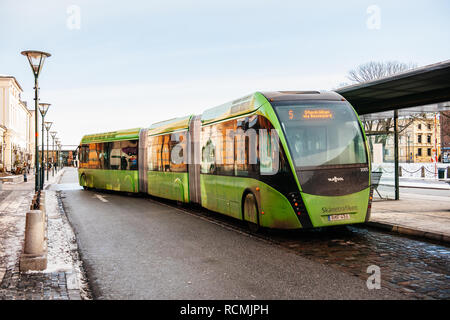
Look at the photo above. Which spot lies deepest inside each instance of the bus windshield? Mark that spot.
(322, 133)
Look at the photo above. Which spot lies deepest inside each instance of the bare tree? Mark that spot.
(377, 70)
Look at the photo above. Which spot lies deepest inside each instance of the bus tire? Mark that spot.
(250, 209)
(83, 181)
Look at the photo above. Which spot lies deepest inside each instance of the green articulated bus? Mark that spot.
(284, 159)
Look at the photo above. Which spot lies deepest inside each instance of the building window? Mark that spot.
(429, 139)
(429, 152)
(419, 138)
(419, 152)
(419, 126)
(429, 126)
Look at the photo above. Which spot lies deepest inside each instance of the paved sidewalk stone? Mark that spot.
(51, 284)
(414, 214)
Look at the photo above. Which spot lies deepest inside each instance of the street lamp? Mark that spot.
(36, 60)
(48, 125)
(57, 153)
(60, 155)
(43, 108)
(53, 134)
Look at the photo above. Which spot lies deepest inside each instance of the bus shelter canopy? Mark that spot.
(407, 112)
(422, 86)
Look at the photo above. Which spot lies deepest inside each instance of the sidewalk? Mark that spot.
(425, 183)
(426, 216)
(62, 279)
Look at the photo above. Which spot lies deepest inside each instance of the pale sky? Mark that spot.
(126, 64)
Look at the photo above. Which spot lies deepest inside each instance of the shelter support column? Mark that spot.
(396, 165)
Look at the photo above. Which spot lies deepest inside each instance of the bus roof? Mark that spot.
(275, 96)
(253, 101)
(230, 109)
(129, 134)
(170, 125)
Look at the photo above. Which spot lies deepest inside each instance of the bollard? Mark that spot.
(34, 256)
(399, 171)
(34, 235)
(42, 202)
(423, 172)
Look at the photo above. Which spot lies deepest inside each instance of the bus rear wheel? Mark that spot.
(251, 212)
(83, 182)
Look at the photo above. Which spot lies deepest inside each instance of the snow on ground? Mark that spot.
(60, 238)
(62, 250)
(12, 227)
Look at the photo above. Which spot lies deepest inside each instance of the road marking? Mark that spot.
(101, 198)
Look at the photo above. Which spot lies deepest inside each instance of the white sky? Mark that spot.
(133, 63)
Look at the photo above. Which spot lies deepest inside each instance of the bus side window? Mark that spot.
(101, 156)
(107, 155)
(128, 155)
(114, 160)
(93, 156)
(208, 151)
(268, 147)
(151, 154)
(177, 154)
(166, 153)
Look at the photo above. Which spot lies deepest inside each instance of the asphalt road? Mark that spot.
(138, 248)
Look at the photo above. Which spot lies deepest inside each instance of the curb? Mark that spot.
(409, 231)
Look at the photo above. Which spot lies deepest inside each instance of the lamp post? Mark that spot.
(48, 125)
(36, 60)
(57, 154)
(43, 108)
(53, 134)
(60, 155)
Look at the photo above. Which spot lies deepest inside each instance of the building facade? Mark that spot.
(419, 141)
(445, 136)
(16, 126)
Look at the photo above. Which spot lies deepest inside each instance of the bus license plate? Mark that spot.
(338, 217)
